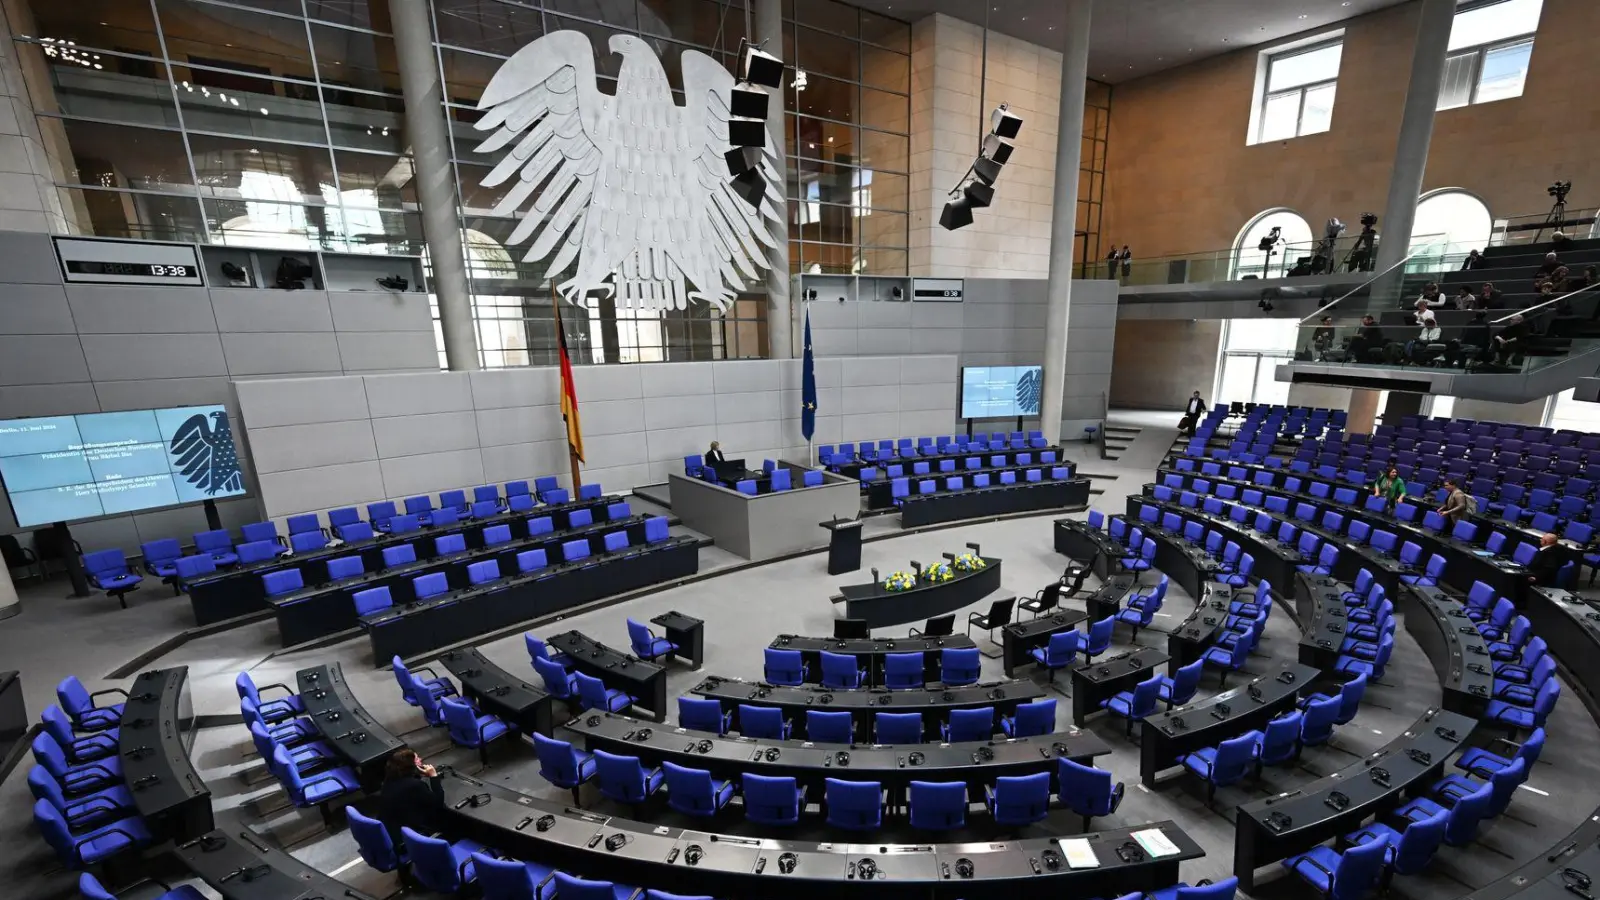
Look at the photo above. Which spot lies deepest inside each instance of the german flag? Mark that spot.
(569, 393)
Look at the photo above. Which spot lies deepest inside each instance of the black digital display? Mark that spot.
(139, 270)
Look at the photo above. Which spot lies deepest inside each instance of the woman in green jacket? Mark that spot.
(1390, 486)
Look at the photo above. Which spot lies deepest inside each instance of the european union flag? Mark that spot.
(808, 386)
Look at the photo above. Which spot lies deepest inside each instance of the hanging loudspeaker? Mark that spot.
(996, 149)
(978, 194)
(761, 67)
(748, 103)
(750, 186)
(1004, 123)
(987, 170)
(741, 160)
(957, 214)
(747, 132)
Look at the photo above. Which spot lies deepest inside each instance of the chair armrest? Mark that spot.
(77, 847)
(318, 778)
(279, 685)
(461, 871)
(1116, 798)
(426, 669)
(1320, 867)
(108, 691)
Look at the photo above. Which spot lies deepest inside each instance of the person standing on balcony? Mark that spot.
(1111, 263)
(1126, 257)
(1322, 338)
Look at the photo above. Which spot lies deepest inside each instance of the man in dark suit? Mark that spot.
(1546, 563)
(714, 455)
(1192, 411)
(412, 796)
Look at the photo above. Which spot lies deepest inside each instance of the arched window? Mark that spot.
(1294, 241)
(1450, 221)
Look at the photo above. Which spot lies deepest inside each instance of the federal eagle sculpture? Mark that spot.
(631, 186)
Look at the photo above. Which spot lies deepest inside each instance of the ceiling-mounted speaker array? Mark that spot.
(747, 127)
(976, 190)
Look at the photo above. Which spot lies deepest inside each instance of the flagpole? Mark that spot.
(572, 452)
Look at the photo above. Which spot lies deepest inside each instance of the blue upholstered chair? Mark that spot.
(1019, 800)
(260, 551)
(960, 667)
(694, 792)
(441, 866)
(1181, 687)
(903, 671)
(897, 728)
(1036, 718)
(842, 671)
(218, 545)
(829, 727)
(1225, 764)
(469, 728)
(401, 555)
(786, 667)
(593, 694)
(91, 847)
(1134, 705)
(1280, 742)
(856, 805)
(703, 714)
(532, 561)
(108, 571)
(625, 779)
(772, 800)
(283, 581)
(1060, 652)
(1087, 791)
(1347, 875)
(645, 644)
(763, 722)
(969, 725)
(938, 805)
(563, 765)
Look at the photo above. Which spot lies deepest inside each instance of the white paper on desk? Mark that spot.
(1079, 853)
(1155, 843)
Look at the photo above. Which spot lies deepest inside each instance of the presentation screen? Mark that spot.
(1000, 392)
(61, 468)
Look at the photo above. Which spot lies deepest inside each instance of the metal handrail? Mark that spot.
(1407, 258)
(1539, 306)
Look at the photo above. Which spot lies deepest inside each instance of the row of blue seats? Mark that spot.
(83, 806)
(909, 448)
(949, 466)
(900, 488)
(854, 805)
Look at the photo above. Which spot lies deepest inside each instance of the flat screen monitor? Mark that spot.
(847, 629)
(1000, 392)
(62, 468)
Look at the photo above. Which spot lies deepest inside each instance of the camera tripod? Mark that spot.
(1558, 211)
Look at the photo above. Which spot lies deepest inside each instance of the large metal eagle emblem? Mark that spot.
(633, 187)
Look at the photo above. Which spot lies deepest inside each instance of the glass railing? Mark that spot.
(1577, 224)
(1431, 253)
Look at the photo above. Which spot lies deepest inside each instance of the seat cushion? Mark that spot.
(1121, 704)
(491, 728)
(225, 559)
(1419, 809)
(1200, 761)
(109, 840)
(1509, 714)
(100, 719)
(1454, 787)
(325, 786)
(1477, 759)
(1306, 865)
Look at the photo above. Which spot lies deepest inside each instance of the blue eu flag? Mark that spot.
(808, 386)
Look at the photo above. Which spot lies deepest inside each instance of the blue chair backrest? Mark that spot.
(307, 541)
(972, 724)
(700, 714)
(616, 540)
(558, 762)
(259, 531)
(483, 509)
(503, 879)
(399, 555)
(622, 778)
(161, 552)
(574, 550)
(1321, 715)
(854, 804)
(417, 506)
(372, 840)
(485, 492)
(1021, 799)
(690, 789)
(1186, 682)
(213, 541)
(761, 722)
(194, 566)
(432, 864)
(540, 525)
(1419, 842)
(380, 512)
(1063, 647)
(1358, 871)
(897, 728)
(105, 563)
(404, 524)
(483, 571)
(454, 499)
(1038, 717)
(495, 535)
(784, 666)
(554, 676)
(841, 668)
(283, 581)
(259, 551)
(342, 567)
(829, 727)
(961, 666)
(430, 585)
(655, 529)
(618, 511)
(372, 600)
(1235, 759)
(450, 543)
(580, 518)
(1086, 790)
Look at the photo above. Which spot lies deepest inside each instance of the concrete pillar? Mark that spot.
(1064, 214)
(9, 604)
(1363, 411)
(780, 315)
(1416, 132)
(436, 186)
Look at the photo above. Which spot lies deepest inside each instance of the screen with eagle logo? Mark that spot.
(62, 468)
(995, 392)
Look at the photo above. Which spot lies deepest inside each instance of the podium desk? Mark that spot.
(1195, 635)
(1097, 681)
(881, 608)
(645, 682)
(687, 632)
(844, 545)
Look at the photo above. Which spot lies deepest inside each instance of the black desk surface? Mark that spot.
(874, 590)
(616, 668)
(357, 737)
(1461, 659)
(154, 736)
(810, 763)
(872, 646)
(1036, 632)
(14, 722)
(497, 691)
(1264, 547)
(1204, 723)
(729, 865)
(1314, 817)
(1201, 627)
(1541, 879)
(1319, 601)
(1114, 668)
(733, 691)
(1001, 499)
(222, 860)
(1571, 628)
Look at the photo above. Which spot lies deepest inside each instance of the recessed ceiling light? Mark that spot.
(1302, 15)
(1024, 18)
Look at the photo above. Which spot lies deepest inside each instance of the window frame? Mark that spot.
(1265, 95)
(1479, 54)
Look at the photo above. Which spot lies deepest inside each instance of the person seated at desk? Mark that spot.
(714, 455)
(412, 796)
(1546, 563)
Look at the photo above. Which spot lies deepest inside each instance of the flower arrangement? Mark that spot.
(969, 562)
(899, 581)
(937, 573)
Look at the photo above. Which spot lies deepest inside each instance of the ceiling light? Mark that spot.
(263, 110)
(830, 140)
(1302, 15)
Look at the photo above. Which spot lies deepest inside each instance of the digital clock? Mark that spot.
(140, 270)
